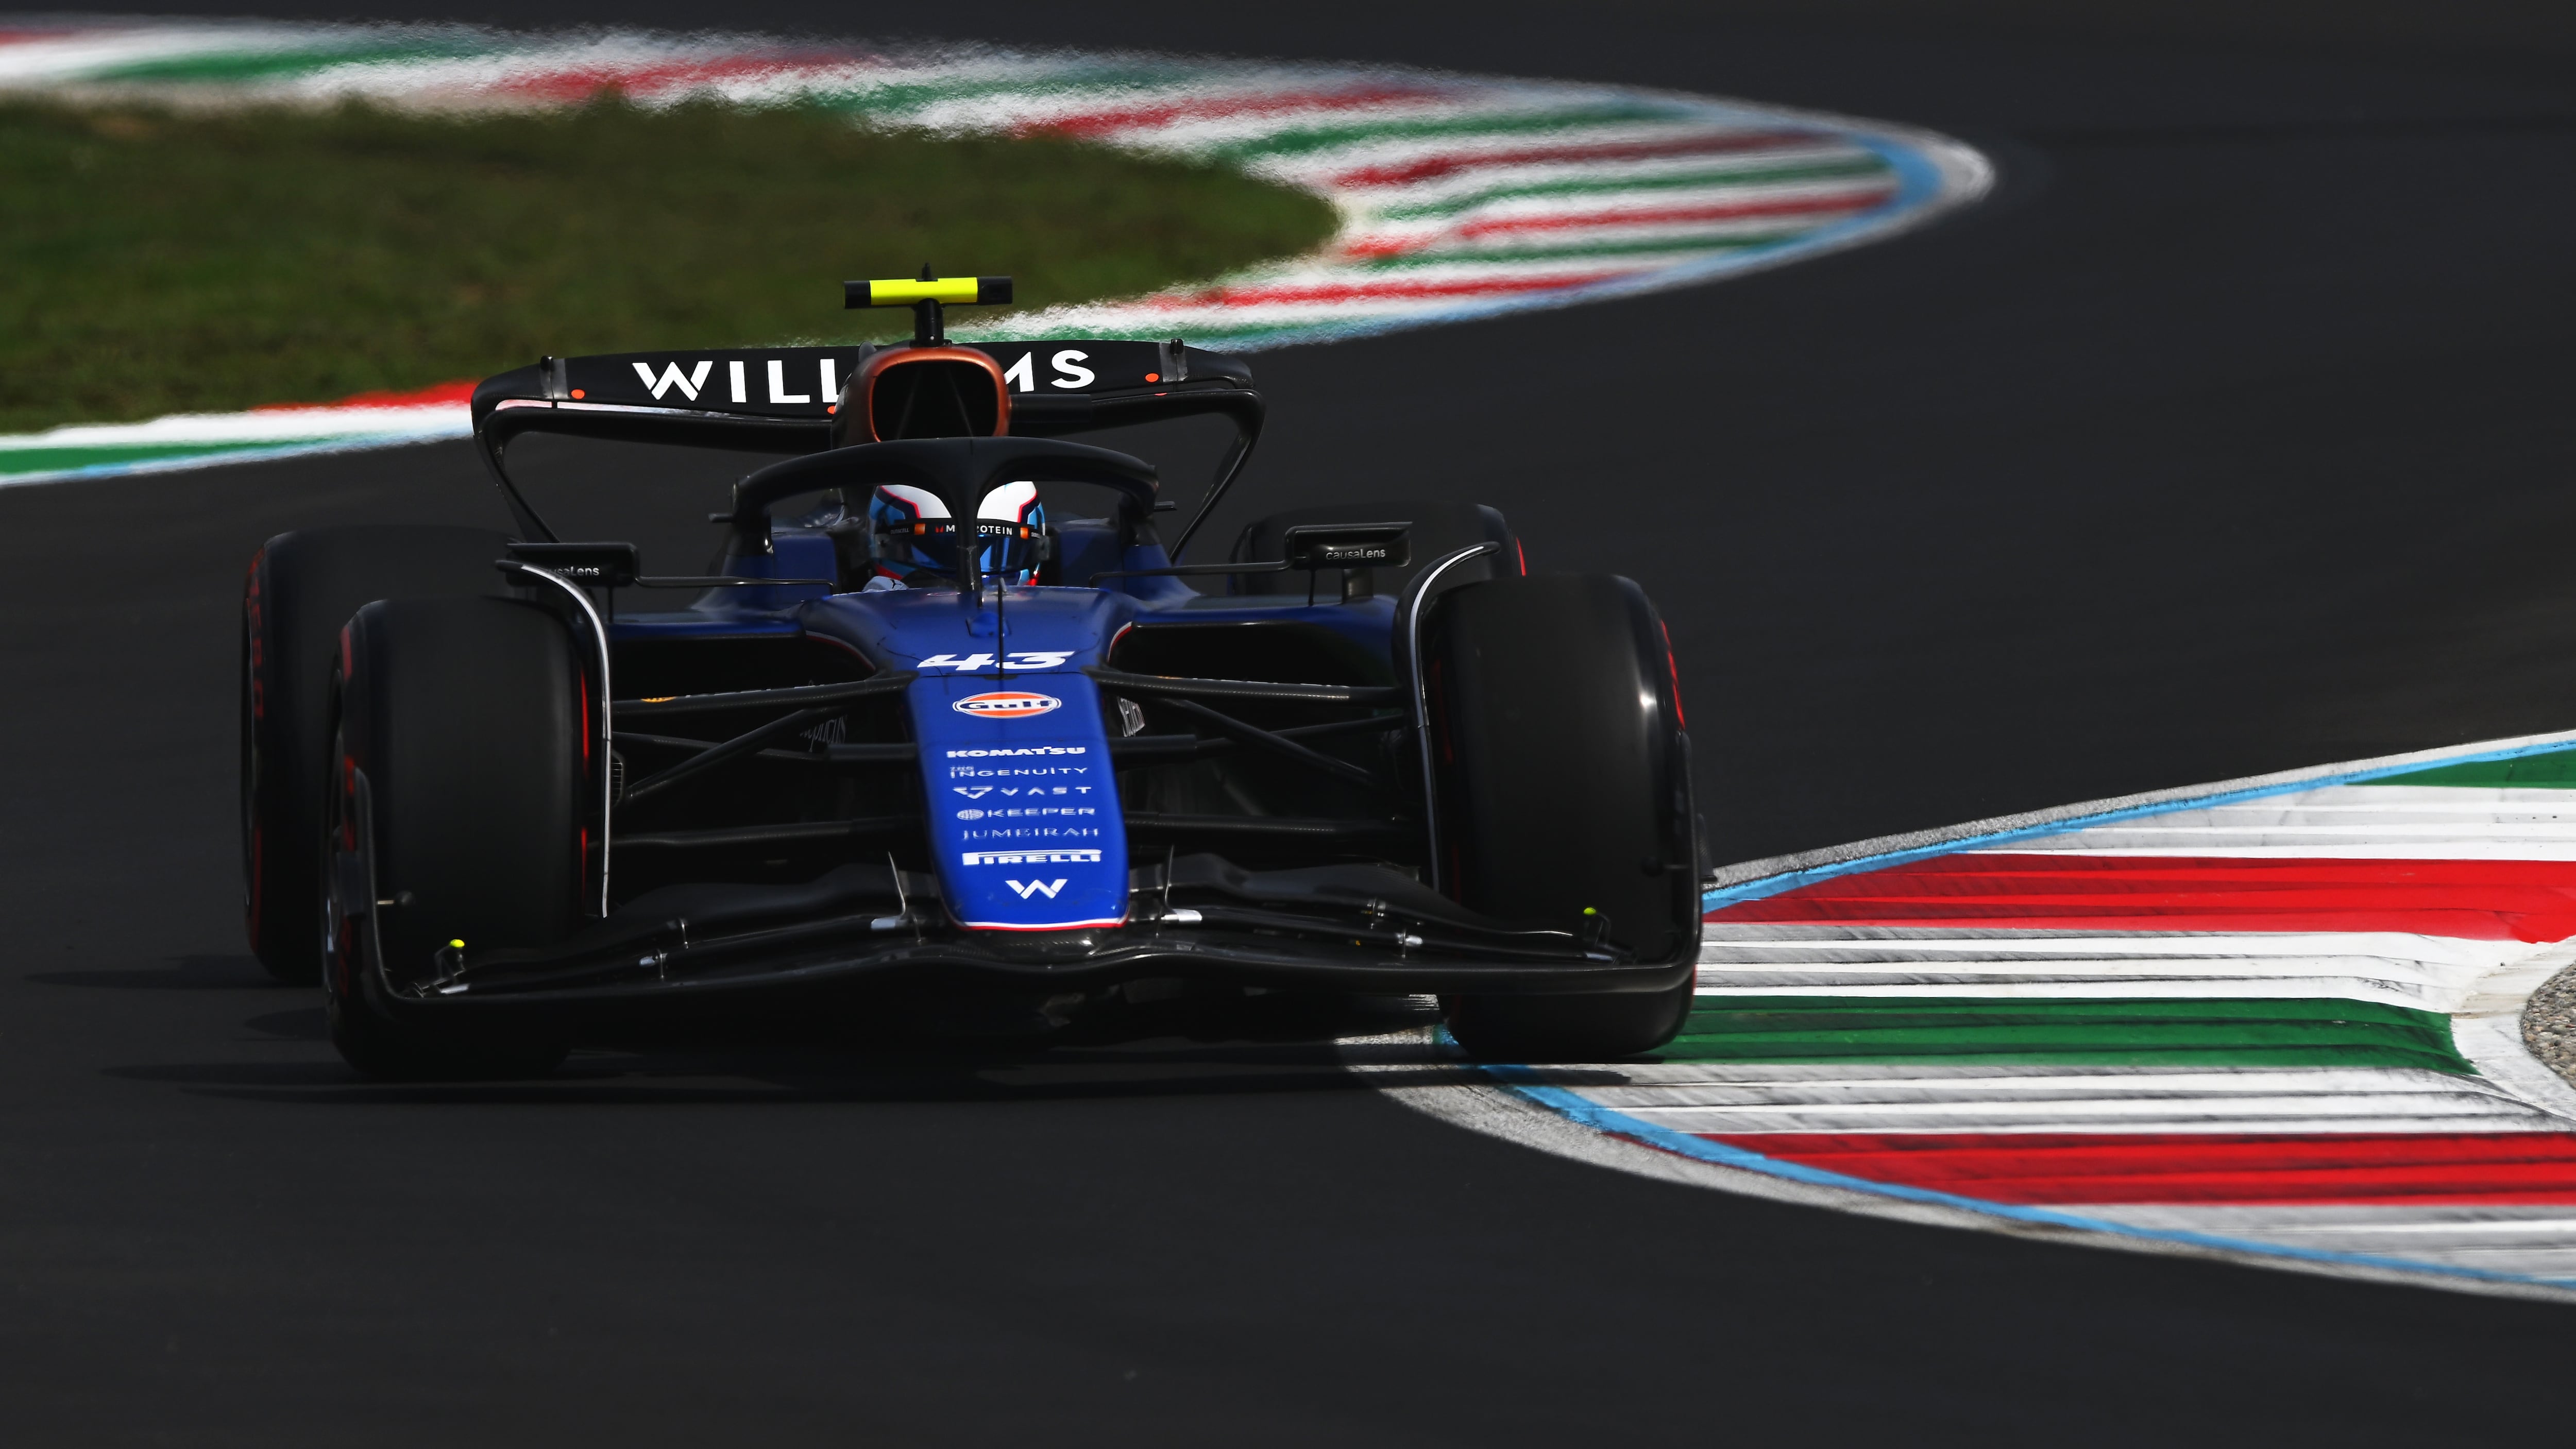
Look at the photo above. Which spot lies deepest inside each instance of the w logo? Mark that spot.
(1047, 888)
(671, 378)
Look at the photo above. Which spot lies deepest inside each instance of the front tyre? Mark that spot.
(301, 588)
(1560, 787)
(455, 813)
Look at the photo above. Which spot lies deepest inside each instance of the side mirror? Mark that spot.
(1347, 546)
(594, 565)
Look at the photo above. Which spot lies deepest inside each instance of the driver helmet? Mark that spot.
(916, 540)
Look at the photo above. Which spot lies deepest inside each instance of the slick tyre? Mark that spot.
(1432, 529)
(301, 588)
(458, 792)
(1561, 793)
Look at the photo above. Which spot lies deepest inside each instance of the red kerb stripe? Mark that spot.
(577, 83)
(2485, 900)
(2189, 1167)
(1668, 215)
(440, 395)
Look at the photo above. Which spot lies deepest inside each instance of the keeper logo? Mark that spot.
(1007, 704)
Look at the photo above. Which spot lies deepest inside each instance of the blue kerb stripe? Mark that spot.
(1577, 1108)
(1917, 180)
(1791, 880)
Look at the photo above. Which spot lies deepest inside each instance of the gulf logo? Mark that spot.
(1006, 704)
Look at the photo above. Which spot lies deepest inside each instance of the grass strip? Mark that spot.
(154, 262)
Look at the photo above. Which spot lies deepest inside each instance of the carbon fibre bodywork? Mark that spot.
(1093, 777)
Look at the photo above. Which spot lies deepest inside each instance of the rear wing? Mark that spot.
(781, 400)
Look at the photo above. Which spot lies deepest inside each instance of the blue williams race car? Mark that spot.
(944, 720)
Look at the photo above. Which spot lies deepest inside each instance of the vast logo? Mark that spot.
(1006, 704)
(1035, 887)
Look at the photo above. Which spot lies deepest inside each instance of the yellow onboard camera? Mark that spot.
(925, 295)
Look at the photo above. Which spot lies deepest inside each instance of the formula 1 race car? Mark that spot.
(928, 735)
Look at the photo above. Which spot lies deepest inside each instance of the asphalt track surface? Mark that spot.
(2231, 436)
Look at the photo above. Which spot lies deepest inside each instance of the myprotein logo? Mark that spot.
(1007, 704)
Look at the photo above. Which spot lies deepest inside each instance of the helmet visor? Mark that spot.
(1008, 548)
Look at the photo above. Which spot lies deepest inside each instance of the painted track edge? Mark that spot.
(1482, 1099)
(1776, 874)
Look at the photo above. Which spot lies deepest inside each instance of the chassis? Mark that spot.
(546, 784)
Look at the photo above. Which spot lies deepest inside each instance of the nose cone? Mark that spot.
(1024, 812)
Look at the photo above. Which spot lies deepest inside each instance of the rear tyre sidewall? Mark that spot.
(301, 587)
(462, 721)
(1561, 782)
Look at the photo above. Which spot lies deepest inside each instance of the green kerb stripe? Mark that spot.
(2320, 1032)
(1822, 171)
(14, 461)
(1324, 138)
(271, 64)
(2555, 771)
(1680, 249)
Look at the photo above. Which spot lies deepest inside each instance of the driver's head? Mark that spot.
(935, 392)
(916, 537)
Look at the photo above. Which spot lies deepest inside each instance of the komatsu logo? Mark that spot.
(1018, 750)
(1006, 704)
(1032, 857)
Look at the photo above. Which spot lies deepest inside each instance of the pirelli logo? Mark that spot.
(1032, 857)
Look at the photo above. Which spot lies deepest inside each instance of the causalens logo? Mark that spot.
(1006, 704)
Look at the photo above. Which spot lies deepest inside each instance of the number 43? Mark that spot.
(1030, 659)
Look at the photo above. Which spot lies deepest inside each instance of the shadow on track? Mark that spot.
(184, 973)
(1258, 1046)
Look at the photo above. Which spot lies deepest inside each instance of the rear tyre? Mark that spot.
(1561, 787)
(302, 587)
(1432, 529)
(455, 814)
